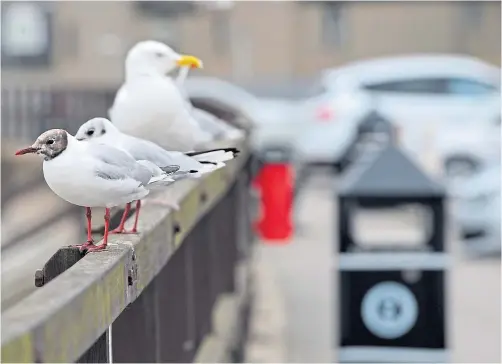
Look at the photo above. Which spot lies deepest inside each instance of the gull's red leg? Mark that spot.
(88, 214)
(89, 241)
(135, 227)
(105, 237)
(121, 227)
(107, 227)
(134, 230)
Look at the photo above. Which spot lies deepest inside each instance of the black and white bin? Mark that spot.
(391, 299)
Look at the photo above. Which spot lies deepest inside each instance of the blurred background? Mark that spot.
(322, 82)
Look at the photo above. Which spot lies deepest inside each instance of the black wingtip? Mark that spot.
(234, 151)
(207, 162)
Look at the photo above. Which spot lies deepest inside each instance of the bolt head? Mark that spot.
(39, 278)
(188, 345)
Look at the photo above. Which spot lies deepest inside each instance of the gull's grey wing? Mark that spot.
(170, 169)
(111, 173)
(115, 164)
(142, 149)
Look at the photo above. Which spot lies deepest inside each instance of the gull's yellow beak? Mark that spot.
(189, 61)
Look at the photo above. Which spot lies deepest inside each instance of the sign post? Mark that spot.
(392, 297)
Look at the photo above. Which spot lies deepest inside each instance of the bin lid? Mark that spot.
(390, 173)
(276, 153)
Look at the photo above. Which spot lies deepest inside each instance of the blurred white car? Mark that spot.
(273, 121)
(276, 124)
(476, 209)
(469, 146)
(330, 121)
(269, 120)
(423, 95)
(320, 125)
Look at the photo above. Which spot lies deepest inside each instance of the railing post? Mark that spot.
(136, 336)
(245, 211)
(62, 260)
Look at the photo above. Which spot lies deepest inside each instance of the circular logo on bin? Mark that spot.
(389, 310)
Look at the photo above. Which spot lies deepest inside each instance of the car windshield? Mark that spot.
(439, 86)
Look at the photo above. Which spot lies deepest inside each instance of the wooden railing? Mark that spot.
(177, 292)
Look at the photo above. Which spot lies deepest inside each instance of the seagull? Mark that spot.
(103, 131)
(149, 105)
(96, 175)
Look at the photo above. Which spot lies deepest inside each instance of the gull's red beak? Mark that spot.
(26, 151)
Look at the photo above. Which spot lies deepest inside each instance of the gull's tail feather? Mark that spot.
(162, 180)
(214, 156)
(208, 167)
(186, 174)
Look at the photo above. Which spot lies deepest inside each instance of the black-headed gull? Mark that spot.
(95, 175)
(150, 106)
(101, 130)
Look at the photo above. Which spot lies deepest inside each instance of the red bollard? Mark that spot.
(275, 183)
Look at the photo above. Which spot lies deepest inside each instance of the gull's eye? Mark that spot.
(50, 142)
(90, 132)
(103, 131)
(159, 54)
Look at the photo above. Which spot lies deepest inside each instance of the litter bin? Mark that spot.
(392, 301)
(275, 185)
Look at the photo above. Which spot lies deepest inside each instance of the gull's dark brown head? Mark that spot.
(49, 144)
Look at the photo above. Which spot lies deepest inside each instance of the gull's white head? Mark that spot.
(156, 58)
(95, 128)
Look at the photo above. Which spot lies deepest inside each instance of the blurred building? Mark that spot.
(83, 43)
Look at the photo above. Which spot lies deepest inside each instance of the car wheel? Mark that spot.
(460, 167)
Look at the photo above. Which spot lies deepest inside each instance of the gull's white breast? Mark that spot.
(72, 177)
(154, 109)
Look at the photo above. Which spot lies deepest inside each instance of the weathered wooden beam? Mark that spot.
(60, 321)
